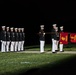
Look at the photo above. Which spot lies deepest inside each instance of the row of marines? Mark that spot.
(55, 35)
(12, 39)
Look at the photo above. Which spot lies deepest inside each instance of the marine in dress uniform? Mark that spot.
(54, 38)
(42, 38)
(8, 39)
(12, 38)
(16, 39)
(61, 45)
(20, 39)
(3, 39)
(57, 40)
(23, 39)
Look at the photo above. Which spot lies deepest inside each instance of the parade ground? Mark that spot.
(65, 52)
(32, 62)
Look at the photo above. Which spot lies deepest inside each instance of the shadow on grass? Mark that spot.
(64, 67)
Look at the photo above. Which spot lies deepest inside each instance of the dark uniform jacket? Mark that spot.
(16, 36)
(12, 36)
(53, 34)
(42, 36)
(20, 36)
(3, 35)
(8, 36)
(57, 35)
(23, 36)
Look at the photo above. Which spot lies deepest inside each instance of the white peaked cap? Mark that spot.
(11, 27)
(3, 26)
(19, 28)
(23, 29)
(41, 26)
(7, 27)
(15, 28)
(54, 24)
(61, 27)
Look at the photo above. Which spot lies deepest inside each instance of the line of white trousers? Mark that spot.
(12, 47)
(7, 46)
(42, 43)
(19, 45)
(61, 47)
(54, 45)
(22, 45)
(3, 46)
(16, 46)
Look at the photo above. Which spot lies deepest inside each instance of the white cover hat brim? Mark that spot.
(61, 27)
(54, 24)
(3, 26)
(41, 26)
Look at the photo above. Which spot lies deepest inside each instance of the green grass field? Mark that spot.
(17, 63)
(14, 63)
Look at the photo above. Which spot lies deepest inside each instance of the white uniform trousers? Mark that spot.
(57, 42)
(42, 43)
(19, 45)
(12, 46)
(22, 45)
(16, 46)
(7, 46)
(3, 46)
(54, 46)
(61, 47)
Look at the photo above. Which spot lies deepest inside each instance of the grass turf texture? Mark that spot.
(21, 63)
(13, 63)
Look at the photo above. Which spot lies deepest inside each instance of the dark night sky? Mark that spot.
(30, 14)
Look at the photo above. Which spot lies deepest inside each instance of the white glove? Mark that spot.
(44, 33)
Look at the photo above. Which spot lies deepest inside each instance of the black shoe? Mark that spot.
(56, 50)
(53, 52)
